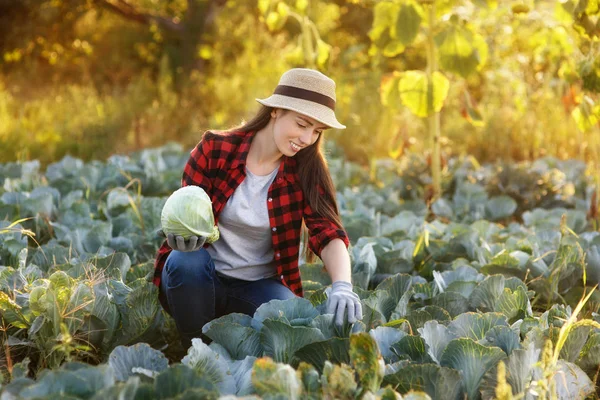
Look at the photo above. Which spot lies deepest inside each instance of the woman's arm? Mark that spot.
(337, 260)
(341, 300)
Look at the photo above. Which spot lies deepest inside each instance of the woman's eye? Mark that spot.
(304, 126)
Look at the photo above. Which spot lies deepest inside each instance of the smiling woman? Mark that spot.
(268, 181)
(290, 133)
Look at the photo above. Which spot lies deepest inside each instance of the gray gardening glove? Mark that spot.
(192, 244)
(342, 298)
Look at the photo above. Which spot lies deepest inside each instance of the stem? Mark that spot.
(594, 144)
(9, 364)
(433, 119)
(314, 31)
(309, 49)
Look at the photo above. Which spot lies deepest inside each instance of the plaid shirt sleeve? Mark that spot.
(321, 231)
(193, 174)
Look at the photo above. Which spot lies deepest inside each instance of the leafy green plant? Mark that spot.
(451, 44)
(445, 297)
(311, 50)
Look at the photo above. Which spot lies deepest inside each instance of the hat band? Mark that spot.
(304, 94)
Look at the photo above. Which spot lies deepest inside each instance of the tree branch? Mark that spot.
(213, 10)
(127, 11)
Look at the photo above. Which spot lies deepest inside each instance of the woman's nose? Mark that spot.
(306, 137)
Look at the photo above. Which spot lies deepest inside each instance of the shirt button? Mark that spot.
(281, 277)
(270, 199)
(278, 255)
(274, 229)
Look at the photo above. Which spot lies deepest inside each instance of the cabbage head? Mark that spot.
(188, 212)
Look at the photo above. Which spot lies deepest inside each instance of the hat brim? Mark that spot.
(323, 114)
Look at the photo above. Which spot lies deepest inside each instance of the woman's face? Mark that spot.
(293, 131)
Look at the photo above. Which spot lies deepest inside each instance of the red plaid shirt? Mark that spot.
(217, 165)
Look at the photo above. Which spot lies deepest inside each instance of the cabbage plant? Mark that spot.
(188, 212)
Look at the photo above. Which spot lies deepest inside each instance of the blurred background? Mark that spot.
(512, 80)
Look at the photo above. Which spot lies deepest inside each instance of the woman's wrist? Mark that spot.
(341, 284)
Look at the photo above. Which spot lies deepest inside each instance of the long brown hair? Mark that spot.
(312, 171)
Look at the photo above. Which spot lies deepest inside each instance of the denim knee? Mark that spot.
(187, 268)
(189, 292)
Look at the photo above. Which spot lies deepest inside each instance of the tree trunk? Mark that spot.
(193, 28)
(197, 26)
(188, 35)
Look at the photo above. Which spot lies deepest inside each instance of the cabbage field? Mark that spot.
(488, 292)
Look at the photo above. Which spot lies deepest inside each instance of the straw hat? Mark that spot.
(307, 92)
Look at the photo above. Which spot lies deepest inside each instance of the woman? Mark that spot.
(267, 180)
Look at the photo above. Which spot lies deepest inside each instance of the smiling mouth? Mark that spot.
(295, 146)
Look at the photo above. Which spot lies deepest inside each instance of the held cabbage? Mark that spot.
(188, 212)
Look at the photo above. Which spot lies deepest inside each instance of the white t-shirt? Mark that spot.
(245, 249)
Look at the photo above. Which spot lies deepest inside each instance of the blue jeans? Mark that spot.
(194, 294)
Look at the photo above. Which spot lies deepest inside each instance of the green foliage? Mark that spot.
(445, 297)
(438, 382)
(126, 361)
(229, 375)
(311, 50)
(395, 26)
(462, 51)
(473, 360)
(271, 379)
(367, 361)
(415, 89)
(338, 381)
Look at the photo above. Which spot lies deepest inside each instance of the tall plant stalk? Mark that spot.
(433, 119)
(309, 49)
(594, 144)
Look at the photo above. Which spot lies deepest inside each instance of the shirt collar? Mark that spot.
(287, 168)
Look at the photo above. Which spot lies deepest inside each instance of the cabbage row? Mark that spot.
(474, 295)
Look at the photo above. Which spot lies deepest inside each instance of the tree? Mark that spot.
(42, 32)
(188, 31)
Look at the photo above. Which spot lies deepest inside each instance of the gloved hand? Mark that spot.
(342, 298)
(192, 244)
